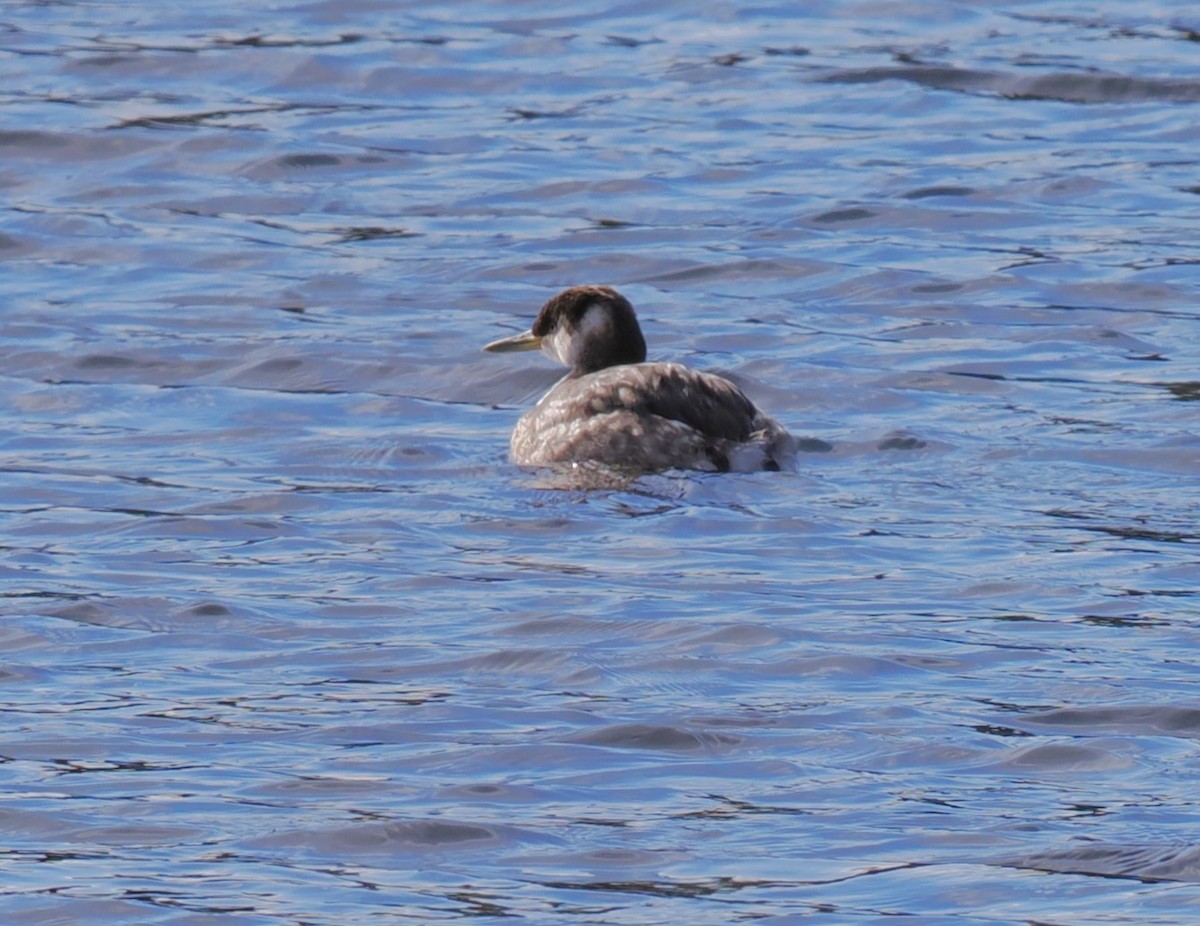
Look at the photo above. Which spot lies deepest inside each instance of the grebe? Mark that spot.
(615, 409)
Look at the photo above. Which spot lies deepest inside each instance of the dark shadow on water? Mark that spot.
(1141, 863)
(1091, 87)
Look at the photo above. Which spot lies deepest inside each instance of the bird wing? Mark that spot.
(710, 404)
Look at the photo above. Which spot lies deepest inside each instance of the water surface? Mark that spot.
(290, 641)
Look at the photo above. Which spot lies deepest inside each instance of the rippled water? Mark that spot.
(289, 641)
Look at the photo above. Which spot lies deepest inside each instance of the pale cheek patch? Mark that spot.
(558, 347)
(566, 345)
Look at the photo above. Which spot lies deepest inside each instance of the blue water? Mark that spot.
(287, 638)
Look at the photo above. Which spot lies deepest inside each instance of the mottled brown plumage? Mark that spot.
(615, 409)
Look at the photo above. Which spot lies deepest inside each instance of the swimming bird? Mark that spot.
(615, 409)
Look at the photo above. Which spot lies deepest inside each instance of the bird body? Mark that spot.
(615, 409)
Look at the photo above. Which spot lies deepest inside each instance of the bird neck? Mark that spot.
(606, 336)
